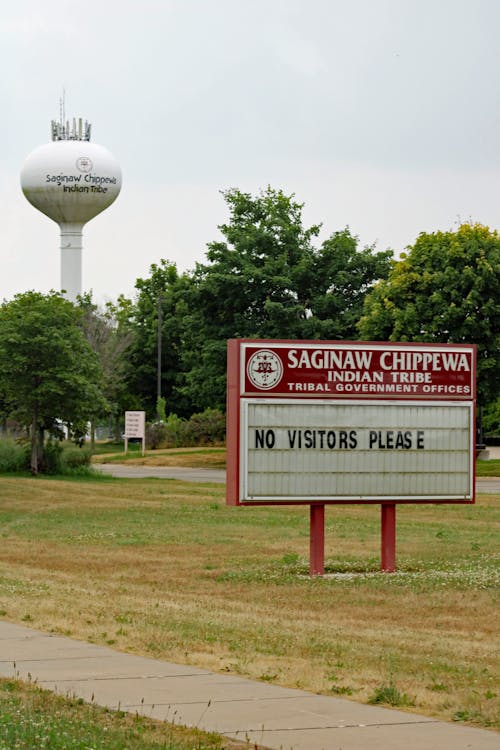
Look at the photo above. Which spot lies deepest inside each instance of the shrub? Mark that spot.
(155, 435)
(57, 459)
(75, 458)
(168, 434)
(207, 427)
(491, 418)
(391, 696)
(52, 462)
(14, 456)
(176, 432)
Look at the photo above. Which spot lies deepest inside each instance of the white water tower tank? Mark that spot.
(71, 180)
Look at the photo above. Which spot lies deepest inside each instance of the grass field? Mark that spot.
(165, 569)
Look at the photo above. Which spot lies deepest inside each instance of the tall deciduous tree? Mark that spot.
(267, 280)
(446, 289)
(48, 372)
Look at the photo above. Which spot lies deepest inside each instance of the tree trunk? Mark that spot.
(34, 443)
(41, 447)
(92, 437)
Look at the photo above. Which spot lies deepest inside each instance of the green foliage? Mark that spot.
(175, 431)
(75, 458)
(491, 418)
(159, 310)
(267, 280)
(446, 289)
(390, 695)
(161, 404)
(48, 372)
(14, 456)
(156, 435)
(489, 468)
(52, 458)
(108, 335)
(206, 428)
(57, 458)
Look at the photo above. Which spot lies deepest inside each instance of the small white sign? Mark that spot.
(135, 424)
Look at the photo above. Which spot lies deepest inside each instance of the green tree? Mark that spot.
(110, 337)
(158, 312)
(267, 280)
(48, 372)
(491, 418)
(445, 289)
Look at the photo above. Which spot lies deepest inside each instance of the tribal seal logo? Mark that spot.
(84, 164)
(264, 369)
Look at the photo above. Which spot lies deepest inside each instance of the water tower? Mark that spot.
(71, 180)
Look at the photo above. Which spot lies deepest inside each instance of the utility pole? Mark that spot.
(159, 351)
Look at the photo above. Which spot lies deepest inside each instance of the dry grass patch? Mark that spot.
(165, 569)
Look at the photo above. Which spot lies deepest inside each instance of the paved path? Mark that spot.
(483, 484)
(271, 716)
(130, 471)
(488, 485)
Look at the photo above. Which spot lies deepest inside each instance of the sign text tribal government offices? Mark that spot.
(350, 422)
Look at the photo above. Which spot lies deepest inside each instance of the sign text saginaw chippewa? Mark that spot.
(350, 422)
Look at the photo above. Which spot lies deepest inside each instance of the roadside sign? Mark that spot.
(135, 427)
(322, 422)
(350, 422)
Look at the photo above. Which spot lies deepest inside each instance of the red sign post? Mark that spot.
(322, 422)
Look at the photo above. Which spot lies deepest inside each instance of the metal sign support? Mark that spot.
(388, 545)
(317, 540)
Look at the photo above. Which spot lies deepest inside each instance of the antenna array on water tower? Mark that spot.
(71, 180)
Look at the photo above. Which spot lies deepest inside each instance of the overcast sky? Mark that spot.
(383, 115)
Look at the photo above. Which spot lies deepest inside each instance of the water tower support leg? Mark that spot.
(317, 540)
(71, 260)
(388, 546)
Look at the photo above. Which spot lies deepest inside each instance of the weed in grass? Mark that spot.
(472, 716)
(438, 687)
(341, 690)
(123, 619)
(268, 676)
(290, 558)
(390, 695)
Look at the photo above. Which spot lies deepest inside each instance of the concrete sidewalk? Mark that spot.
(271, 716)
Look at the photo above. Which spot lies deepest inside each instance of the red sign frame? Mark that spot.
(337, 371)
